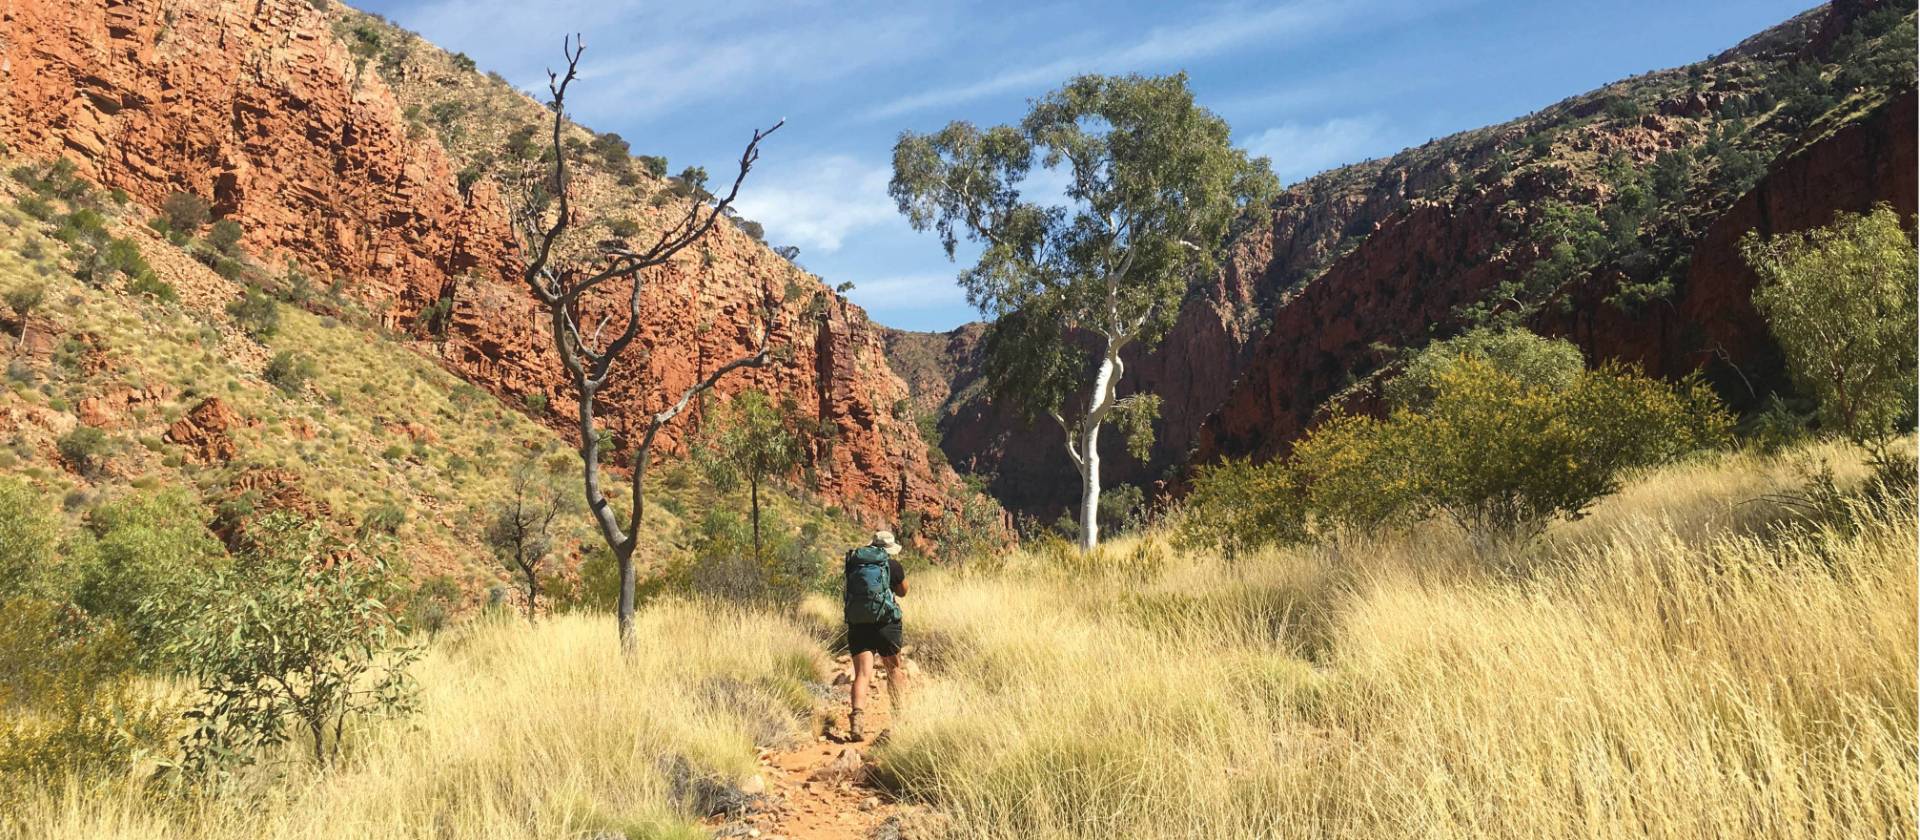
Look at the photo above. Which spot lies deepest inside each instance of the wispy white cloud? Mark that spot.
(909, 293)
(816, 203)
(1299, 150)
(1225, 29)
(646, 59)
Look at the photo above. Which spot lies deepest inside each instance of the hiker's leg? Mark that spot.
(896, 681)
(862, 667)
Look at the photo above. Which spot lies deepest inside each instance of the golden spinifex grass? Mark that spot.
(524, 733)
(1663, 669)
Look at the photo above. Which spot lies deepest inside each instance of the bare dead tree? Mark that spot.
(561, 285)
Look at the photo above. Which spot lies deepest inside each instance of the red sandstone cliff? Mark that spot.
(1372, 257)
(256, 105)
(1411, 272)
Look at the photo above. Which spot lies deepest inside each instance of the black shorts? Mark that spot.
(883, 639)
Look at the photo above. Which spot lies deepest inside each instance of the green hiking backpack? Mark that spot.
(869, 598)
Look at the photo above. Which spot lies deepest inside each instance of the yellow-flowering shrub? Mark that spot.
(1498, 456)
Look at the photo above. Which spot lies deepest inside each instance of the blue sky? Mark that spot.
(1311, 83)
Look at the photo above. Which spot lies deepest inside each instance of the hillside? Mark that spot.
(119, 387)
(1357, 265)
(359, 152)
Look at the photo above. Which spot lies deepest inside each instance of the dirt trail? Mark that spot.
(818, 788)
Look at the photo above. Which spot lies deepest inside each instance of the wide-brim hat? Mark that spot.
(884, 539)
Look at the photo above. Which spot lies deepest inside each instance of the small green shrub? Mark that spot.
(1239, 507)
(256, 314)
(229, 268)
(297, 638)
(536, 404)
(28, 535)
(290, 371)
(224, 236)
(73, 711)
(185, 212)
(85, 449)
(1841, 301)
(81, 224)
(146, 547)
(383, 518)
(148, 285)
(37, 207)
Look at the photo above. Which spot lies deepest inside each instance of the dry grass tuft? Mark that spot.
(524, 733)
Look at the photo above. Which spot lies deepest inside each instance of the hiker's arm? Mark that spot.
(900, 588)
(898, 574)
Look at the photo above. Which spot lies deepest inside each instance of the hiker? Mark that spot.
(874, 580)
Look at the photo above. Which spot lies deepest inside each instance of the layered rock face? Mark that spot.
(257, 106)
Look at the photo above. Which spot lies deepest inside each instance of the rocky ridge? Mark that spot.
(259, 106)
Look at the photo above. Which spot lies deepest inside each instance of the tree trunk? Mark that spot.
(1090, 488)
(625, 610)
(533, 589)
(1099, 403)
(319, 730)
(753, 484)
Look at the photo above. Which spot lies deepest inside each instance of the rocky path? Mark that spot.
(817, 790)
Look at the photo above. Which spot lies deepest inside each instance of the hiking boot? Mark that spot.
(853, 726)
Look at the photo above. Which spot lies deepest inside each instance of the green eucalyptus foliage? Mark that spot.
(1153, 182)
(753, 440)
(144, 548)
(1840, 300)
(1153, 186)
(296, 638)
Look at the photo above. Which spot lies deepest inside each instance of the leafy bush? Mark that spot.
(290, 371)
(23, 300)
(1239, 507)
(255, 313)
(536, 403)
(72, 708)
(974, 531)
(37, 207)
(148, 285)
(1501, 457)
(1840, 300)
(81, 224)
(1535, 361)
(298, 636)
(57, 179)
(432, 603)
(383, 518)
(28, 535)
(146, 547)
(723, 565)
(225, 235)
(185, 212)
(85, 449)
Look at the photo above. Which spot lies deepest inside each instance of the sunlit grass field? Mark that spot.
(1675, 665)
(1660, 669)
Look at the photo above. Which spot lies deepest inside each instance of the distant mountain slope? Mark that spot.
(331, 138)
(1357, 264)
